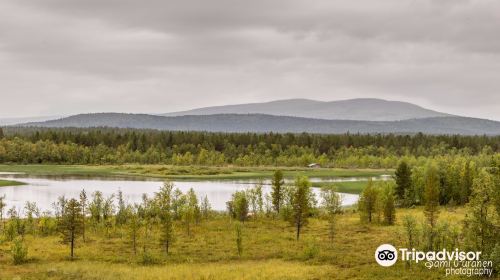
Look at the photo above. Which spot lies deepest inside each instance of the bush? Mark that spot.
(311, 251)
(19, 251)
(148, 258)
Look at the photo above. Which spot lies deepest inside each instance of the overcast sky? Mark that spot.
(61, 57)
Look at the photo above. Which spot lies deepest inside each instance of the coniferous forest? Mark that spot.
(117, 146)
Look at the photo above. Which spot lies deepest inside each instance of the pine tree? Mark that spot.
(276, 192)
(83, 203)
(164, 200)
(96, 207)
(301, 204)
(70, 223)
(206, 208)
(134, 225)
(123, 211)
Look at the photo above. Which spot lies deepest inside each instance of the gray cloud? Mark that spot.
(161, 55)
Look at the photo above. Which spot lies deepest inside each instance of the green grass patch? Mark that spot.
(8, 183)
(355, 187)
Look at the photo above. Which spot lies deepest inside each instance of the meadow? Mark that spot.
(270, 251)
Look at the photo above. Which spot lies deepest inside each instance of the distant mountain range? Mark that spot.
(293, 115)
(269, 123)
(364, 109)
(12, 121)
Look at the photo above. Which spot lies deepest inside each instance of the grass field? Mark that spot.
(187, 172)
(7, 183)
(270, 251)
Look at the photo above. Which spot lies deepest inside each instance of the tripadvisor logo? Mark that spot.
(386, 255)
(454, 262)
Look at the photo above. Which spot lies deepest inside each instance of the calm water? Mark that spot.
(45, 190)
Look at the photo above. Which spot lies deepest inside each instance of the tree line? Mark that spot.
(117, 146)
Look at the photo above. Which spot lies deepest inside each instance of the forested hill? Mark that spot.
(269, 123)
(361, 109)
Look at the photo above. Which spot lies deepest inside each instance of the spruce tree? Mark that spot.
(301, 204)
(71, 223)
(403, 179)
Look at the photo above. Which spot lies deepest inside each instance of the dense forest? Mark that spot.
(111, 145)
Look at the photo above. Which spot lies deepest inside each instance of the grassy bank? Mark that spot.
(8, 183)
(188, 172)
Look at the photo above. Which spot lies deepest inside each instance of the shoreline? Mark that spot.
(188, 172)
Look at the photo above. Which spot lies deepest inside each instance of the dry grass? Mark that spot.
(270, 252)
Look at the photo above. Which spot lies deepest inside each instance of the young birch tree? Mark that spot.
(332, 204)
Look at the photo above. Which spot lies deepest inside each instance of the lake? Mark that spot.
(45, 190)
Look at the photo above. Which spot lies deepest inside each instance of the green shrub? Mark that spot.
(19, 251)
(149, 258)
(311, 251)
